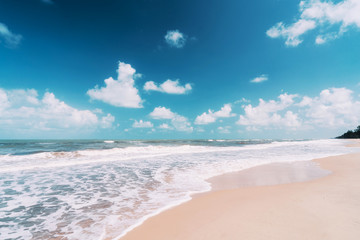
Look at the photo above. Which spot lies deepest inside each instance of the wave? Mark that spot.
(90, 191)
(40, 160)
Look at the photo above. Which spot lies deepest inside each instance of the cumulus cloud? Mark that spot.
(120, 92)
(181, 123)
(8, 38)
(175, 38)
(267, 113)
(333, 108)
(142, 124)
(23, 110)
(291, 33)
(162, 113)
(242, 100)
(178, 122)
(211, 116)
(225, 129)
(107, 121)
(169, 86)
(259, 79)
(4, 101)
(165, 126)
(325, 15)
(205, 118)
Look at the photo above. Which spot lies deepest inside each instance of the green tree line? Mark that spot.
(351, 134)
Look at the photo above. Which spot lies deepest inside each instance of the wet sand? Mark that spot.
(269, 174)
(307, 200)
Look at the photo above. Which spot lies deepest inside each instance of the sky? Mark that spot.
(166, 69)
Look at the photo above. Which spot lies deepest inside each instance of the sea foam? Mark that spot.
(103, 192)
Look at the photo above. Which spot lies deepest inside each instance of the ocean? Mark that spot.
(97, 189)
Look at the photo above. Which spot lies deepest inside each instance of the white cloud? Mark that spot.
(178, 122)
(211, 116)
(242, 100)
(181, 123)
(120, 92)
(162, 113)
(175, 38)
(23, 111)
(305, 101)
(224, 112)
(267, 113)
(320, 40)
(107, 121)
(333, 107)
(21, 97)
(205, 118)
(259, 79)
(225, 130)
(142, 124)
(4, 101)
(292, 32)
(169, 86)
(319, 14)
(199, 129)
(150, 85)
(10, 39)
(165, 126)
(251, 129)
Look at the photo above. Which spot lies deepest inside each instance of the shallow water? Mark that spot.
(269, 174)
(97, 189)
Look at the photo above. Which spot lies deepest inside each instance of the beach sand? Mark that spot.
(279, 206)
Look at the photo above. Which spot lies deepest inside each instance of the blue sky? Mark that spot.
(179, 69)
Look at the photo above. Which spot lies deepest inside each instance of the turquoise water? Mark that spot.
(94, 189)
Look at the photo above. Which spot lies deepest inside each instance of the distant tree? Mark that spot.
(351, 134)
(357, 130)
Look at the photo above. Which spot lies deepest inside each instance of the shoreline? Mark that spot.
(195, 219)
(270, 174)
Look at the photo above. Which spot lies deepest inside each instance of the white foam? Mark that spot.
(122, 187)
(144, 218)
(11, 163)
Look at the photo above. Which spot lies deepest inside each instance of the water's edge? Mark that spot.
(104, 189)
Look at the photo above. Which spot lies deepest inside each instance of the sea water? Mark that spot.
(77, 189)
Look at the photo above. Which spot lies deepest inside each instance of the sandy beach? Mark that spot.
(311, 200)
